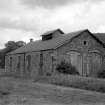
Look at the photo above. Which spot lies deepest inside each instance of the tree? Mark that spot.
(20, 43)
(12, 45)
(9, 46)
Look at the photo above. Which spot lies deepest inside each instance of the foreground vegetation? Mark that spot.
(75, 81)
(15, 91)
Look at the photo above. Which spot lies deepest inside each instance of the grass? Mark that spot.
(93, 84)
(75, 81)
(26, 92)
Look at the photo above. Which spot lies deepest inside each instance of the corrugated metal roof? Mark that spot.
(48, 44)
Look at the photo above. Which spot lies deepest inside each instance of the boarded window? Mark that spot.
(28, 60)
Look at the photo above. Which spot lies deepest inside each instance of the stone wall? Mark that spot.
(17, 65)
(34, 67)
(20, 64)
(42, 63)
(85, 46)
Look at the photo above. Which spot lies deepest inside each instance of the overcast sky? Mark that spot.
(25, 19)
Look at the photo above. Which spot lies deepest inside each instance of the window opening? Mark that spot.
(10, 61)
(85, 42)
(19, 61)
(28, 58)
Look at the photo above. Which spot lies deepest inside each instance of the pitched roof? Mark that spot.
(100, 36)
(48, 44)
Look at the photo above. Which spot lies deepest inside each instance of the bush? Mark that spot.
(101, 74)
(66, 68)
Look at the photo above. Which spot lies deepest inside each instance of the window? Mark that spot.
(41, 59)
(85, 43)
(28, 60)
(19, 62)
(47, 37)
(41, 64)
(10, 62)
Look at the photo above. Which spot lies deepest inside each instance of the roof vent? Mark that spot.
(52, 34)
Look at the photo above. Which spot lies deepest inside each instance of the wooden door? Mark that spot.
(96, 62)
(76, 61)
(86, 65)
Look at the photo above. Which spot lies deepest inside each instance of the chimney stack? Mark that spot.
(31, 40)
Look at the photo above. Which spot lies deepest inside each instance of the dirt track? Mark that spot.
(26, 92)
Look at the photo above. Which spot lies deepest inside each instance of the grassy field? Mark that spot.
(75, 81)
(26, 92)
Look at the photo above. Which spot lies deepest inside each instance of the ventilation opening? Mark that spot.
(52, 34)
(47, 37)
(84, 42)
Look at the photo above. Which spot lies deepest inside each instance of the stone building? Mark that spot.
(85, 51)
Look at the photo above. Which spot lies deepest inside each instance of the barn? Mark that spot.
(83, 49)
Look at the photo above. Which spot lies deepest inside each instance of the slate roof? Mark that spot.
(100, 36)
(48, 44)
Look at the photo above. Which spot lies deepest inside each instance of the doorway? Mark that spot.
(76, 60)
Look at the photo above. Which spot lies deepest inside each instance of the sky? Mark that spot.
(25, 19)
